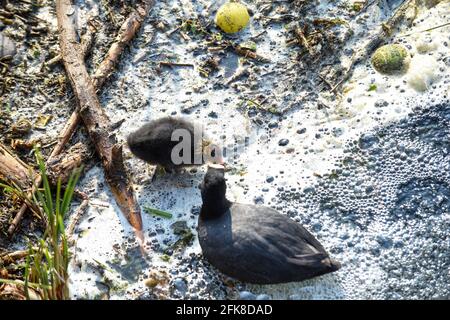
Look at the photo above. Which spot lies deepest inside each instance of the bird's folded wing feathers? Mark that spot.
(270, 222)
(308, 260)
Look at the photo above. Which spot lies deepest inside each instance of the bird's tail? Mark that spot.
(334, 264)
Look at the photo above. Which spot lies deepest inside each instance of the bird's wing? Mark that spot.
(312, 260)
(274, 231)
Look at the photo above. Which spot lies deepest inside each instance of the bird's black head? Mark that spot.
(213, 185)
(143, 142)
(136, 144)
(213, 190)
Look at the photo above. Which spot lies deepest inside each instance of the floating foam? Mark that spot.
(423, 72)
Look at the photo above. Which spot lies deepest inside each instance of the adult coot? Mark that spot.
(173, 143)
(255, 244)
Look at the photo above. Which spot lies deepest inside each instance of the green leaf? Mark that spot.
(165, 257)
(58, 197)
(158, 213)
(47, 190)
(70, 189)
(45, 207)
(249, 45)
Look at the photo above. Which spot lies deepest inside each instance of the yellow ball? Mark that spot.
(232, 17)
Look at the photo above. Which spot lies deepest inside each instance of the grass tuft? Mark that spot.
(47, 262)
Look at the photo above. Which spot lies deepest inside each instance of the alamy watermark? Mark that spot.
(196, 148)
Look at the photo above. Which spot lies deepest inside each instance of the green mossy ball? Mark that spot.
(391, 59)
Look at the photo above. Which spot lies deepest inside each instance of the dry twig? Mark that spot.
(11, 257)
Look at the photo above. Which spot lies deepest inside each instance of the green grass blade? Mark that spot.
(60, 225)
(66, 256)
(58, 197)
(27, 270)
(47, 211)
(46, 184)
(68, 194)
(158, 213)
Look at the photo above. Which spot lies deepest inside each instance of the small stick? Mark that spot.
(268, 73)
(11, 257)
(239, 73)
(99, 204)
(215, 49)
(173, 31)
(77, 216)
(302, 39)
(280, 18)
(426, 30)
(332, 88)
(239, 50)
(249, 54)
(259, 35)
(185, 36)
(172, 64)
(48, 145)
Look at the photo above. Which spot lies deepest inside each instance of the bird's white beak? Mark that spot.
(216, 166)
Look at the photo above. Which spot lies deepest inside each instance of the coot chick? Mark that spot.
(158, 143)
(256, 244)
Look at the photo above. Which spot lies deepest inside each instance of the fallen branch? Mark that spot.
(94, 117)
(126, 34)
(14, 170)
(175, 64)
(61, 166)
(249, 53)
(11, 257)
(76, 218)
(86, 44)
(16, 291)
